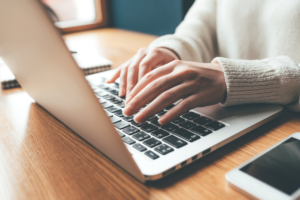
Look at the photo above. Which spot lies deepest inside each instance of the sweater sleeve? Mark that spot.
(272, 80)
(195, 38)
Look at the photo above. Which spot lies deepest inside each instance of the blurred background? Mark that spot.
(157, 17)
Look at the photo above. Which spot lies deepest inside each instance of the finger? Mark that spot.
(162, 101)
(150, 61)
(150, 77)
(118, 72)
(150, 92)
(115, 76)
(185, 105)
(133, 70)
(123, 81)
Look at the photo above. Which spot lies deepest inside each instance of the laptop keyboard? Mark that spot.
(150, 137)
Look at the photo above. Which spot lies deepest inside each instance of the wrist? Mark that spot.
(173, 52)
(224, 93)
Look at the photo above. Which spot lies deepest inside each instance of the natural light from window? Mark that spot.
(73, 10)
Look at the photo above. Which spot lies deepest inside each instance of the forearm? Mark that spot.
(273, 80)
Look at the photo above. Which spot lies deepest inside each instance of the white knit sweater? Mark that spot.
(256, 42)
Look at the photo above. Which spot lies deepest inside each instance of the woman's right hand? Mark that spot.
(144, 61)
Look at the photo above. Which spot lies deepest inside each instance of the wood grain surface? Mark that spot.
(43, 159)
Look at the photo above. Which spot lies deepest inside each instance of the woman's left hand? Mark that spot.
(198, 84)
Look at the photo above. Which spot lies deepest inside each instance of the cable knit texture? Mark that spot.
(256, 43)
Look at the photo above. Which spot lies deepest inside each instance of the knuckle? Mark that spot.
(130, 86)
(167, 95)
(156, 50)
(156, 84)
(131, 67)
(189, 73)
(124, 65)
(142, 50)
(176, 62)
(124, 68)
(148, 76)
(144, 64)
(136, 100)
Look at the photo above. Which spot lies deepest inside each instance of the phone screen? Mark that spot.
(279, 168)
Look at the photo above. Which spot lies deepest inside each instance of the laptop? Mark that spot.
(35, 52)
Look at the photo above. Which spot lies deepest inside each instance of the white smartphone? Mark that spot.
(273, 174)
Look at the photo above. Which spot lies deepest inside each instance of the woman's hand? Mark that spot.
(198, 84)
(139, 65)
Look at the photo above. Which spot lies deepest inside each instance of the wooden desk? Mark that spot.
(42, 159)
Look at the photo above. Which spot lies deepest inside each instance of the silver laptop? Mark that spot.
(37, 55)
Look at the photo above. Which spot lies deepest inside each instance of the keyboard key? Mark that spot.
(118, 110)
(101, 94)
(149, 128)
(116, 85)
(102, 100)
(102, 86)
(178, 120)
(160, 133)
(114, 92)
(174, 141)
(128, 140)
(202, 120)
(152, 142)
(169, 107)
(128, 119)
(112, 109)
(100, 80)
(215, 125)
(121, 104)
(130, 130)
(108, 97)
(191, 116)
(96, 90)
(155, 121)
(108, 89)
(187, 135)
(109, 114)
(151, 155)
(187, 124)
(115, 100)
(121, 133)
(164, 149)
(137, 124)
(161, 113)
(170, 127)
(140, 136)
(121, 125)
(119, 113)
(139, 147)
(107, 105)
(201, 130)
(152, 118)
(114, 119)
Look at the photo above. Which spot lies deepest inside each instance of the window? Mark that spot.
(75, 15)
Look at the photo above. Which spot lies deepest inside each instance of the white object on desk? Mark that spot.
(273, 174)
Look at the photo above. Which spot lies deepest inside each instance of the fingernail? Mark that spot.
(128, 111)
(139, 118)
(162, 120)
